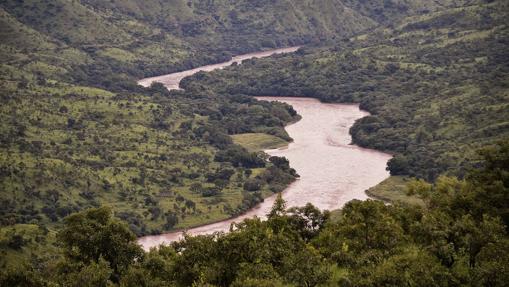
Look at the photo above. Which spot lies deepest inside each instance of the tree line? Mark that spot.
(459, 238)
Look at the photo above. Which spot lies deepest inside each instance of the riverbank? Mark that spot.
(259, 141)
(332, 171)
(171, 81)
(393, 189)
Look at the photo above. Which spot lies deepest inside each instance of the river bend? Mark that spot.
(332, 171)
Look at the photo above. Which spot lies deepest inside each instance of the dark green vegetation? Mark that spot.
(435, 84)
(89, 40)
(77, 133)
(459, 238)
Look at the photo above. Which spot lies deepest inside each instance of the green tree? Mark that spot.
(308, 220)
(21, 276)
(93, 234)
(412, 268)
(79, 274)
(492, 268)
(306, 267)
(278, 208)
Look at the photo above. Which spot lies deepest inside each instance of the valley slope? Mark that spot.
(435, 84)
(79, 139)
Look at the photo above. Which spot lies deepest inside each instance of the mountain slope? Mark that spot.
(387, 12)
(77, 132)
(435, 84)
(143, 38)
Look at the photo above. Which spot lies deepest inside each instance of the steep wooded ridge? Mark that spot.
(436, 85)
(77, 133)
(154, 37)
(89, 40)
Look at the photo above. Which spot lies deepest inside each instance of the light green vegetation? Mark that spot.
(259, 141)
(24, 244)
(143, 155)
(394, 189)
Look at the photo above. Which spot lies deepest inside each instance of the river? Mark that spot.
(332, 171)
(171, 81)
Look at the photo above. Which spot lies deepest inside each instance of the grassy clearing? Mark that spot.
(259, 141)
(393, 189)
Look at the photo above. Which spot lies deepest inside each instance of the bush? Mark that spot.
(253, 184)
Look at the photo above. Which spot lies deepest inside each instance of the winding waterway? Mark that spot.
(332, 171)
(171, 81)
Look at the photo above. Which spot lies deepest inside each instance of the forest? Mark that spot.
(90, 161)
(459, 238)
(436, 89)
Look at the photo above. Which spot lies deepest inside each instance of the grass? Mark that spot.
(393, 189)
(114, 154)
(37, 243)
(118, 54)
(259, 141)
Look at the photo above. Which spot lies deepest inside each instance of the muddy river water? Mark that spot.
(171, 81)
(332, 171)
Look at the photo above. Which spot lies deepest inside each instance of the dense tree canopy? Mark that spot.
(449, 242)
(435, 85)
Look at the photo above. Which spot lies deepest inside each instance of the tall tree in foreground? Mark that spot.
(94, 237)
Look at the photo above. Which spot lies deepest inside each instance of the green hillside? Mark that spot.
(77, 131)
(144, 38)
(436, 85)
(151, 156)
(387, 12)
(92, 40)
(456, 236)
(89, 160)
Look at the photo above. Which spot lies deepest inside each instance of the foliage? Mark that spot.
(435, 84)
(93, 235)
(372, 244)
(77, 132)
